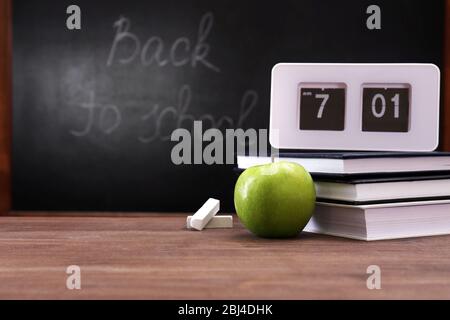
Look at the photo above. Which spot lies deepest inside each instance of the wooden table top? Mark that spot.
(153, 256)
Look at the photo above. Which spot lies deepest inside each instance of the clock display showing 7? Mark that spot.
(322, 108)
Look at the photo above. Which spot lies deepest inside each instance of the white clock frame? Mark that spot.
(423, 79)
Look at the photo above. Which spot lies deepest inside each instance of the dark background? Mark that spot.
(57, 71)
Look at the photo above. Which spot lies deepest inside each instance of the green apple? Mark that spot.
(275, 200)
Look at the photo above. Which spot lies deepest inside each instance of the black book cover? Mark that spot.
(381, 177)
(360, 155)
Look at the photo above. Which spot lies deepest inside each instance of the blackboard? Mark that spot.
(118, 159)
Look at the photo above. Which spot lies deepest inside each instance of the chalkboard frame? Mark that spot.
(6, 8)
(5, 105)
(445, 113)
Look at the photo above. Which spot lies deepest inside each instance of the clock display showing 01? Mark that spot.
(385, 109)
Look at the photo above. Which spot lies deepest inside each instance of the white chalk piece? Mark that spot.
(217, 222)
(201, 218)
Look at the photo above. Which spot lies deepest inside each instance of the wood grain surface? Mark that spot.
(154, 257)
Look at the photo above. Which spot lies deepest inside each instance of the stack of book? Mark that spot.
(375, 195)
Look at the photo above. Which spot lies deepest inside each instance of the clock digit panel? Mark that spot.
(386, 108)
(322, 107)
